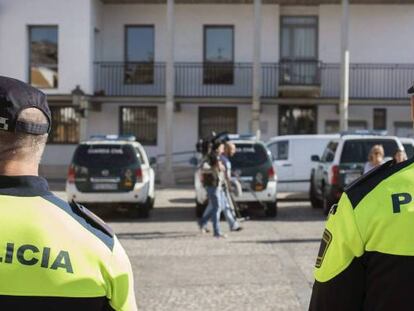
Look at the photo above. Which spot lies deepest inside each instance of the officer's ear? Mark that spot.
(412, 107)
(411, 93)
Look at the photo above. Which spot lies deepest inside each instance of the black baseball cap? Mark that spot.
(16, 96)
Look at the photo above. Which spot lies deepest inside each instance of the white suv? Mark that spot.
(343, 162)
(112, 170)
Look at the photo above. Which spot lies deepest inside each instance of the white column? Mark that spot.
(167, 174)
(257, 71)
(344, 99)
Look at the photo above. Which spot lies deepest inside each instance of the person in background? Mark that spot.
(213, 178)
(229, 151)
(375, 158)
(400, 156)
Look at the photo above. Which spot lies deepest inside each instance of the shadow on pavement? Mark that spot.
(158, 214)
(284, 241)
(182, 201)
(300, 213)
(154, 235)
(187, 214)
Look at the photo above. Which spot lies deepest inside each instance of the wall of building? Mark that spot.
(74, 27)
(189, 29)
(364, 113)
(377, 33)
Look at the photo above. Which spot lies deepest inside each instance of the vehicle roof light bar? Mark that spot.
(113, 137)
(365, 132)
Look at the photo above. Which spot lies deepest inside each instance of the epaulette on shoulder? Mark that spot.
(358, 189)
(91, 218)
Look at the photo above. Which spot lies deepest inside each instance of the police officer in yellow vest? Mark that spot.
(53, 255)
(366, 257)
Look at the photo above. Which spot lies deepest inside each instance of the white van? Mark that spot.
(292, 158)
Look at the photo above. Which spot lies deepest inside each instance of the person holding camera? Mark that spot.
(213, 178)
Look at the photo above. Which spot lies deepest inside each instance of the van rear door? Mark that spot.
(282, 160)
(302, 151)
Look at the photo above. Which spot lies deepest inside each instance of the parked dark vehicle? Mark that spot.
(111, 171)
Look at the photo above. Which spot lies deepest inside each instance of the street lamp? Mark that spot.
(80, 102)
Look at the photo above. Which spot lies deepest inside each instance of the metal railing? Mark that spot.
(270, 80)
(375, 81)
(129, 79)
(303, 73)
(213, 80)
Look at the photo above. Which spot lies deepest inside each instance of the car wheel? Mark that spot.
(151, 203)
(200, 208)
(140, 210)
(327, 204)
(271, 209)
(315, 202)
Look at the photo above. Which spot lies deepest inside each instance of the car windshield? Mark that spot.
(409, 150)
(105, 156)
(249, 155)
(356, 151)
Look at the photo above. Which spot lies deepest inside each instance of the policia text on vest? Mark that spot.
(30, 255)
(366, 257)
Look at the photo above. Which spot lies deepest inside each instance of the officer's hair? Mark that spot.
(22, 146)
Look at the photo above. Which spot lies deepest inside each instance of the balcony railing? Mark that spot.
(375, 81)
(389, 81)
(129, 79)
(213, 80)
(303, 73)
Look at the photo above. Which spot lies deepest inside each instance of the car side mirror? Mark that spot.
(153, 161)
(315, 158)
(193, 161)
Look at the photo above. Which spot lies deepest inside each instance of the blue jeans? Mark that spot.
(214, 200)
(227, 211)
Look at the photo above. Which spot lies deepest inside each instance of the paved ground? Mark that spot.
(268, 266)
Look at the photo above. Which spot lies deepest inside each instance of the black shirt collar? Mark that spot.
(23, 185)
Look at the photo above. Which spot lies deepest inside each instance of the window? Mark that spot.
(355, 125)
(297, 120)
(139, 55)
(331, 126)
(404, 129)
(217, 120)
(299, 50)
(65, 126)
(43, 56)
(249, 155)
(142, 122)
(218, 55)
(355, 151)
(380, 119)
(280, 150)
(329, 153)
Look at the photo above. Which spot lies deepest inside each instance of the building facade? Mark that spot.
(171, 73)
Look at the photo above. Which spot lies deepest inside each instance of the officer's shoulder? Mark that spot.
(358, 189)
(86, 219)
